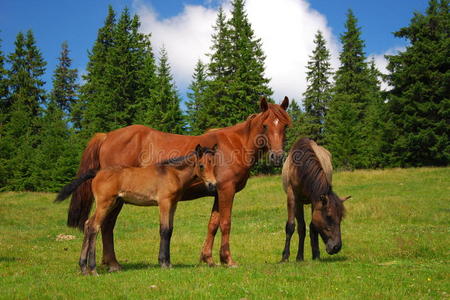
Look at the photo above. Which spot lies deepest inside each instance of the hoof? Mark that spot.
(208, 260)
(94, 273)
(114, 268)
(166, 266)
(283, 260)
(231, 264)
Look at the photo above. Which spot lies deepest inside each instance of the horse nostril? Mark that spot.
(336, 248)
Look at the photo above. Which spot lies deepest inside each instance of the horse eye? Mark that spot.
(202, 167)
(265, 127)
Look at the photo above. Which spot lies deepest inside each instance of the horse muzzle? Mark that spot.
(333, 248)
(212, 187)
(276, 157)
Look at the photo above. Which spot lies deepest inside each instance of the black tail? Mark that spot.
(67, 190)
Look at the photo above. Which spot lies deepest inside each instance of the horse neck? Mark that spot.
(185, 174)
(249, 140)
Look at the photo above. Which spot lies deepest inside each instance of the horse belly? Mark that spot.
(138, 199)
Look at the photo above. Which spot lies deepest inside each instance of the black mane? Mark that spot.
(312, 176)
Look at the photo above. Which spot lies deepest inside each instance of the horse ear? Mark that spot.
(199, 150)
(284, 105)
(263, 104)
(345, 198)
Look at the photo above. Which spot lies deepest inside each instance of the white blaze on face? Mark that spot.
(276, 122)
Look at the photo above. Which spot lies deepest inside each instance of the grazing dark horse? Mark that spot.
(240, 146)
(160, 184)
(307, 174)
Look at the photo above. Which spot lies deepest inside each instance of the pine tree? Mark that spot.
(196, 115)
(236, 70)
(298, 129)
(343, 124)
(23, 104)
(166, 114)
(3, 86)
(373, 129)
(65, 87)
(55, 158)
(95, 108)
(219, 72)
(248, 82)
(120, 81)
(318, 92)
(419, 101)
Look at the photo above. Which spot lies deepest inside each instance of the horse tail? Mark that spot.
(68, 189)
(82, 197)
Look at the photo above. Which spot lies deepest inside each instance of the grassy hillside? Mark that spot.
(396, 239)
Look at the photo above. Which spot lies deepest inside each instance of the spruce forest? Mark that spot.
(43, 132)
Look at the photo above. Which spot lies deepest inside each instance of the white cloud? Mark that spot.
(286, 27)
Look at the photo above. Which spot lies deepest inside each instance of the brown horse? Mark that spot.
(161, 184)
(240, 146)
(307, 180)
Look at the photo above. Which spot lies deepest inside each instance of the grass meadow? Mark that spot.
(396, 244)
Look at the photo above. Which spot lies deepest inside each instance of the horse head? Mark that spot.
(270, 128)
(327, 214)
(205, 166)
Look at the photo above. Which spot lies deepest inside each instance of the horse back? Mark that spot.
(324, 157)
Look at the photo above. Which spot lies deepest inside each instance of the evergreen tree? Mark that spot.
(120, 79)
(3, 87)
(65, 87)
(419, 101)
(318, 92)
(95, 109)
(219, 72)
(23, 104)
(373, 129)
(236, 70)
(166, 114)
(195, 114)
(299, 128)
(344, 120)
(248, 82)
(55, 158)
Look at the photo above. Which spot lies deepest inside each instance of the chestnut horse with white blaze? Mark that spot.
(240, 146)
(160, 184)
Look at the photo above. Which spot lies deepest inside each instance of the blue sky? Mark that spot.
(54, 21)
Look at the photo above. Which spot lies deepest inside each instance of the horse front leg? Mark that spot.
(167, 209)
(314, 236)
(109, 255)
(299, 215)
(92, 227)
(290, 225)
(213, 225)
(226, 197)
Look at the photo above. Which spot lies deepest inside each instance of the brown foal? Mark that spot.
(160, 184)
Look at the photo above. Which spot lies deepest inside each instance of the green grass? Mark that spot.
(396, 239)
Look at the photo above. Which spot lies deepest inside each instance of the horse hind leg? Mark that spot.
(299, 215)
(84, 250)
(290, 225)
(213, 226)
(167, 209)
